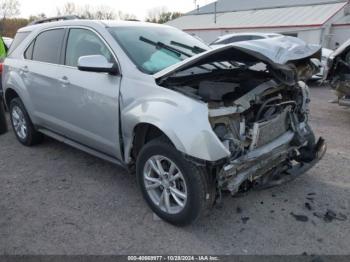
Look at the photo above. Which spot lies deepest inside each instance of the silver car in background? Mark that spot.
(191, 121)
(240, 37)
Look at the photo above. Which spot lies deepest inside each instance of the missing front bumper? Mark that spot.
(267, 166)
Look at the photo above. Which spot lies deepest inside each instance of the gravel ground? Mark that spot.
(57, 200)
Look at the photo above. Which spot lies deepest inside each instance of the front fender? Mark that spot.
(184, 121)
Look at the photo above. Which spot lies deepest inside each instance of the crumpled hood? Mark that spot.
(275, 52)
(281, 50)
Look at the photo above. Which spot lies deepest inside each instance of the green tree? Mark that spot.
(101, 12)
(9, 8)
(37, 17)
(11, 25)
(160, 15)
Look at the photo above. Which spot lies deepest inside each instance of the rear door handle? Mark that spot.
(64, 81)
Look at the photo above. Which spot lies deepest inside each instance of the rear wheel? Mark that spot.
(3, 124)
(22, 125)
(174, 188)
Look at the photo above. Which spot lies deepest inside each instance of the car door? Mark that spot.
(40, 72)
(88, 102)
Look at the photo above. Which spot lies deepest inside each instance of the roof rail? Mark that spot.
(54, 19)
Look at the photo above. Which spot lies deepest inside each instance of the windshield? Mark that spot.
(153, 49)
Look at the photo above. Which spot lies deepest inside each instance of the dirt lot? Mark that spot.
(57, 200)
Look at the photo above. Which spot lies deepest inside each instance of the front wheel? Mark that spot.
(174, 188)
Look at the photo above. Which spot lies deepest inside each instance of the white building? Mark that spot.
(325, 22)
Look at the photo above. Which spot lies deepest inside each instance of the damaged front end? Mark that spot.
(258, 107)
(271, 141)
(337, 73)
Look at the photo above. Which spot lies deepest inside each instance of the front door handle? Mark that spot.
(64, 81)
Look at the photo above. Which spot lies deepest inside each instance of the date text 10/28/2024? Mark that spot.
(173, 258)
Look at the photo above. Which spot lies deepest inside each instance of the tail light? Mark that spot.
(1, 67)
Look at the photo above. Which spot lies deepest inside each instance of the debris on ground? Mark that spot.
(330, 215)
(301, 218)
(308, 206)
(320, 240)
(245, 220)
(310, 199)
(239, 210)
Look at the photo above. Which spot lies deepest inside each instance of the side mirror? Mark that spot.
(97, 63)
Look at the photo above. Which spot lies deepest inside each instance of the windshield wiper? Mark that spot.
(197, 50)
(165, 46)
(194, 49)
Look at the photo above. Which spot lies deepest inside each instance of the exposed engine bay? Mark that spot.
(272, 114)
(259, 110)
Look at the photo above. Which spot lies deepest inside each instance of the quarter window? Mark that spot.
(83, 42)
(47, 47)
(28, 54)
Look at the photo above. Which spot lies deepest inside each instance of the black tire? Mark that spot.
(32, 137)
(3, 123)
(198, 196)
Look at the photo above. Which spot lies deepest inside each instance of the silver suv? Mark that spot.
(191, 121)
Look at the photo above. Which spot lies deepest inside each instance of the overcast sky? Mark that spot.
(136, 7)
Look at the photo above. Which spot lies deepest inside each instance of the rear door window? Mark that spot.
(48, 45)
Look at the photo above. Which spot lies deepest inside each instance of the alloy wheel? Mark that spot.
(19, 122)
(165, 184)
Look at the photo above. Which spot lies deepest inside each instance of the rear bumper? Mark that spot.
(266, 162)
